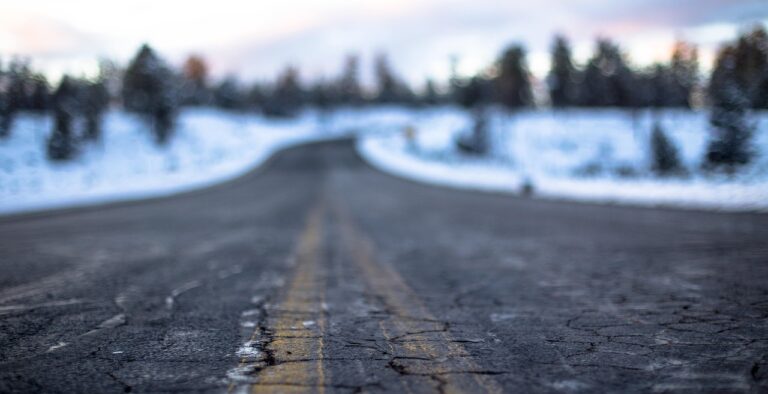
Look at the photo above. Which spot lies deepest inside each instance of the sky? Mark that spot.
(254, 40)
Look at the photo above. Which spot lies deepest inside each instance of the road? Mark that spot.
(317, 273)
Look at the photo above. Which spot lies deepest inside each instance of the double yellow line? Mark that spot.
(418, 343)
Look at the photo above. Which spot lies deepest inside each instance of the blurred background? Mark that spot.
(641, 102)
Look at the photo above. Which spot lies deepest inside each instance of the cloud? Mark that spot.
(256, 39)
(39, 36)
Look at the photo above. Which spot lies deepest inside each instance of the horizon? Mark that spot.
(420, 38)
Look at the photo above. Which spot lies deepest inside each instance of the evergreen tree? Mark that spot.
(287, 97)
(257, 96)
(660, 84)
(40, 97)
(94, 101)
(148, 89)
(751, 66)
(14, 99)
(562, 76)
(665, 157)
(595, 90)
(430, 96)
(228, 95)
(608, 80)
(729, 146)
(513, 86)
(475, 93)
(61, 144)
(389, 87)
(6, 115)
(6, 111)
(66, 98)
(684, 72)
(349, 90)
(19, 77)
(323, 95)
(476, 141)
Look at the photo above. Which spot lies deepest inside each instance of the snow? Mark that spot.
(588, 155)
(591, 155)
(209, 146)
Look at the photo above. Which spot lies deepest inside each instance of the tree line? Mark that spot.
(150, 87)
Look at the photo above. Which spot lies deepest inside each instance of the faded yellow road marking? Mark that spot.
(297, 323)
(421, 342)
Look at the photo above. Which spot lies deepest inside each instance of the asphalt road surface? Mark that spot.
(319, 274)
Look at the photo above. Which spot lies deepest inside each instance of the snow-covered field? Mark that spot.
(591, 155)
(585, 155)
(209, 146)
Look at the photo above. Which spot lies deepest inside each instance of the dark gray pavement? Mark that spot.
(318, 274)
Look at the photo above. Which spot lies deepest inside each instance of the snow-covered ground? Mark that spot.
(590, 155)
(209, 146)
(585, 155)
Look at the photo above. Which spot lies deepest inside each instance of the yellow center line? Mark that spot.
(296, 324)
(423, 345)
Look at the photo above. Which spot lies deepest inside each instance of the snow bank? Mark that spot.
(590, 155)
(209, 146)
(585, 155)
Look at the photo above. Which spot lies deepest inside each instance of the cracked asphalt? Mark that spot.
(317, 273)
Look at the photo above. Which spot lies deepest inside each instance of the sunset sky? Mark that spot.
(255, 39)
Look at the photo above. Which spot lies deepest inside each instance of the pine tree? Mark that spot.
(661, 87)
(349, 90)
(430, 95)
(6, 111)
(323, 95)
(390, 89)
(562, 76)
(287, 97)
(66, 98)
(665, 158)
(684, 70)
(257, 96)
(94, 101)
(8, 103)
(475, 93)
(61, 143)
(513, 86)
(751, 65)
(595, 89)
(476, 141)
(148, 89)
(228, 94)
(40, 97)
(608, 80)
(19, 76)
(729, 146)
